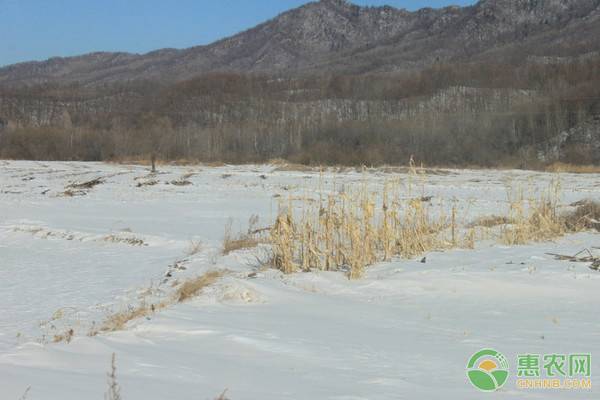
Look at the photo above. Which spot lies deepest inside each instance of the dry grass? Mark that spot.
(86, 185)
(238, 243)
(193, 287)
(195, 247)
(490, 221)
(190, 288)
(349, 231)
(573, 168)
(346, 235)
(132, 160)
(585, 216)
(245, 240)
(534, 218)
(146, 161)
(284, 165)
(118, 321)
(213, 164)
(64, 337)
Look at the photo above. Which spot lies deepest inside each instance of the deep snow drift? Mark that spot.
(404, 331)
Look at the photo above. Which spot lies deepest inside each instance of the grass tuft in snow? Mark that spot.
(585, 216)
(535, 217)
(246, 240)
(64, 337)
(118, 321)
(194, 248)
(193, 287)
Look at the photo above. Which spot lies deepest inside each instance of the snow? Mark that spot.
(406, 330)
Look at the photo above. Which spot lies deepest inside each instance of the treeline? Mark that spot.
(511, 114)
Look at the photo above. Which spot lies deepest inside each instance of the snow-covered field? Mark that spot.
(406, 330)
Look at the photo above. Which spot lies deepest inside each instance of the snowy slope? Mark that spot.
(404, 331)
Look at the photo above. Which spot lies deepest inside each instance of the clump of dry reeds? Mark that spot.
(349, 231)
(534, 218)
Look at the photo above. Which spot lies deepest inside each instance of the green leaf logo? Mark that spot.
(488, 370)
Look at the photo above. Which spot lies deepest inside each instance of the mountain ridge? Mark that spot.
(338, 36)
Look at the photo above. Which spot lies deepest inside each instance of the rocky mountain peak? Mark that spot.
(339, 36)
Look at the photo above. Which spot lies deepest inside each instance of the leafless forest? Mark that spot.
(518, 113)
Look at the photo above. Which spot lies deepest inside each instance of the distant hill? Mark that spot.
(338, 36)
(505, 82)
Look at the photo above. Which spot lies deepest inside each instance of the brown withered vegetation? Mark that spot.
(86, 185)
(194, 286)
(119, 320)
(244, 240)
(188, 289)
(479, 113)
(490, 221)
(585, 216)
(353, 229)
(533, 217)
(573, 168)
(64, 337)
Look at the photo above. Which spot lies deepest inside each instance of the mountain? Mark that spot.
(503, 82)
(338, 36)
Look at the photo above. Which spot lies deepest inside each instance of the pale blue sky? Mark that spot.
(39, 29)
